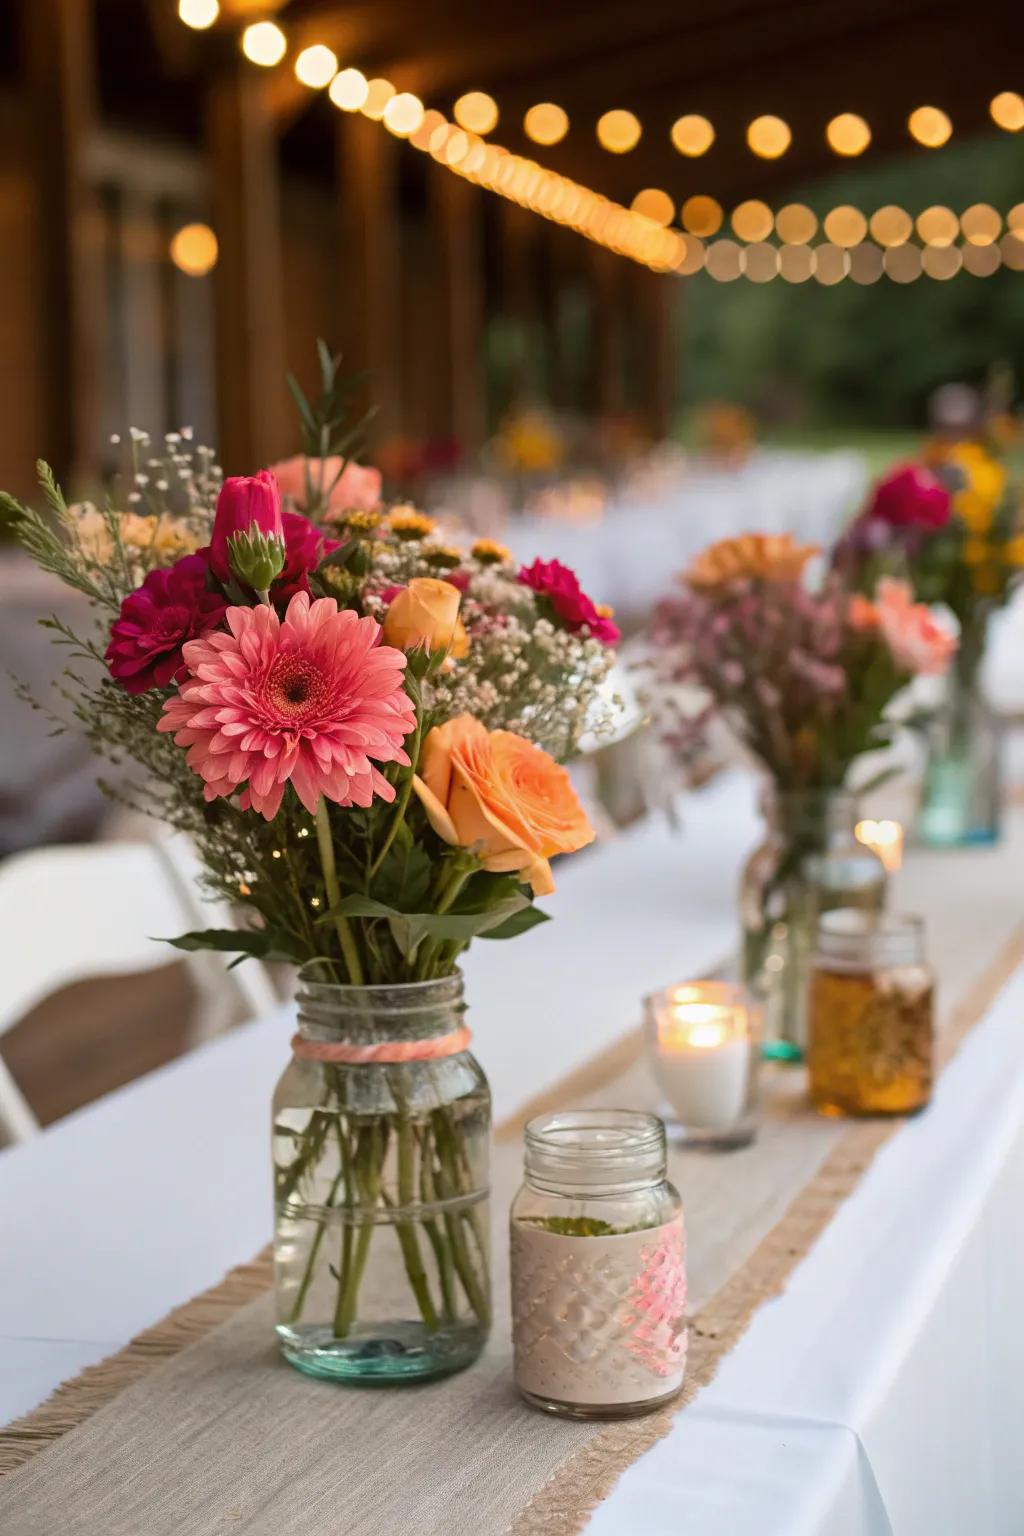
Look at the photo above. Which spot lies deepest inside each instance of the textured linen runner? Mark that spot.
(199, 1428)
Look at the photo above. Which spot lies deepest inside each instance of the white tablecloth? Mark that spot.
(629, 556)
(880, 1396)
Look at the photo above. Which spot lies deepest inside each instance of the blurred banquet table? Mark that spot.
(881, 1393)
(628, 555)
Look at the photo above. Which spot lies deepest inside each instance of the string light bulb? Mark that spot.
(848, 134)
(264, 43)
(752, 221)
(891, 225)
(316, 66)
(476, 112)
(546, 123)
(403, 114)
(654, 204)
(845, 226)
(618, 131)
(981, 224)
(796, 224)
(199, 14)
(349, 90)
(701, 215)
(929, 126)
(692, 135)
(194, 250)
(1007, 111)
(769, 137)
(378, 93)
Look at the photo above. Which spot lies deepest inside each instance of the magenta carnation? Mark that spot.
(561, 587)
(911, 496)
(171, 607)
(308, 699)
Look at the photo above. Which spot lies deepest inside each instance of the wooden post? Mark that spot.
(60, 67)
(659, 293)
(606, 356)
(369, 275)
(459, 220)
(254, 415)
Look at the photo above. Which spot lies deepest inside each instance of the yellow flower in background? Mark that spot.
(137, 531)
(1013, 550)
(976, 551)
(410, 524)
(174, 537)
(755, 556)
(983, 483)
(91, 531)
(490, 552)
(529, 440)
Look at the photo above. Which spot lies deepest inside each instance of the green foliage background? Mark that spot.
(864, 356)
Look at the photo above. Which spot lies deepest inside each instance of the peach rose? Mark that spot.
(357, 489)
(497, 793)
(754, 556)
(918, 644)
(425, 616)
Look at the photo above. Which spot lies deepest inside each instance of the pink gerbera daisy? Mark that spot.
(307, 699)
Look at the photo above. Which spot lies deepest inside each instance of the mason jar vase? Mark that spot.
(381, 1128)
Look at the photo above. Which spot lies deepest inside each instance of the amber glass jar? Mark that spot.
(871, 1006)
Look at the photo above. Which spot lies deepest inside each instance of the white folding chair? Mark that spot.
(69, 913)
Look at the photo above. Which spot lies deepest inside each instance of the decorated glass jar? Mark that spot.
(598, 1267)
(871, 1006)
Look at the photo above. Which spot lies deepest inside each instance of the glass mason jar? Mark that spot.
(809, 862)
(961, 801)
(872, 1001)
(381, 1152)
(598, 1267)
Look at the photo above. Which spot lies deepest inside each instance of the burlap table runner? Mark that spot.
(198, 1428)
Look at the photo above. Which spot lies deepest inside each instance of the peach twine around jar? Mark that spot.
(383, 1051)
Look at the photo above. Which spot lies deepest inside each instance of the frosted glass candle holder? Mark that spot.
(703, 1041)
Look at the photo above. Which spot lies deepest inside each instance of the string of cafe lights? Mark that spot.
(642, 231)
(619, 131)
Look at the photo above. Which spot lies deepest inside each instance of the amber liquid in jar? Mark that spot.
(871, 1009)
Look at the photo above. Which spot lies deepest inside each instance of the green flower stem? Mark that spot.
(368, 1162)
(405, 792)
(437, 1240)
(314, 1250)
(333, 889)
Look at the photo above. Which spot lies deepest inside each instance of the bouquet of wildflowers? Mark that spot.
(361, 725)
(803, 677)
(316, 688)
(953, 528)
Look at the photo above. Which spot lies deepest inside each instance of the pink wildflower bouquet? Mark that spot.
(803, 677)
(361, 726)
(280, 655)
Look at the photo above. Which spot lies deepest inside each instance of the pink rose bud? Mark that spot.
(244, 501)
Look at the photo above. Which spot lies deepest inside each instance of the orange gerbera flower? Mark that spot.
(754, 556)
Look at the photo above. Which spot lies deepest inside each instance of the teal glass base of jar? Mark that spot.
(404, 1352)
(786, 1051)
(953, 814)
(961, 802)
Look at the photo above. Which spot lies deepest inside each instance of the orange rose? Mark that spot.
(497, 793)
(425, 616)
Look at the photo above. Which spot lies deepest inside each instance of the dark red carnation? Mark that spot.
(911, 496)
(561, 587)
(170, 607)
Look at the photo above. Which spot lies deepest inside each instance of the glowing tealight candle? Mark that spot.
(703, 1056)
(884, 838)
